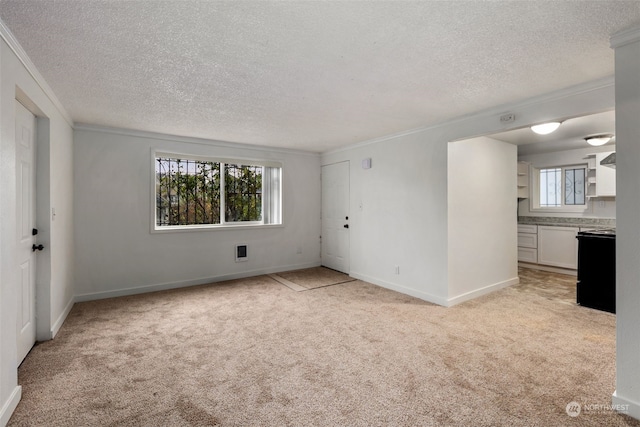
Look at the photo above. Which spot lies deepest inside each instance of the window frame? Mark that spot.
(224, 225)
(535, 190)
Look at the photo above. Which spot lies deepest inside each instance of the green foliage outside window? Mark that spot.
(243, 193)
(188, 192)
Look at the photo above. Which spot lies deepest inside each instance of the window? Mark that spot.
(243, 193)
(201, 192)
(562, 188)
(574, 186)
(550, 187)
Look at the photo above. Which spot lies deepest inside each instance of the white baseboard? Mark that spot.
(625, 406)
(402, 289)
(482, 291)
(58, 323)
(560, 270)
(435, 299)
(183, 284)
(10, 406)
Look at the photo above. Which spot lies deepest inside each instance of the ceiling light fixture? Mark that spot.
(597, 140)
(545, 128)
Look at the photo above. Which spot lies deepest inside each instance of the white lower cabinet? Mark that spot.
(528, 255)
(528, 243)
(527, 240)
(558, 246)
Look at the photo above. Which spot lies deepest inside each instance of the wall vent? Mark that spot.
(241, 253)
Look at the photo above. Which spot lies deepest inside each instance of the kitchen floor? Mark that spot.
(553, 286)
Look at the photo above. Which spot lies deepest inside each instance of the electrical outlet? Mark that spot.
(397, 270)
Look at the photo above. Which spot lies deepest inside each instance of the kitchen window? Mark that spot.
(560, 188)
(198, 192)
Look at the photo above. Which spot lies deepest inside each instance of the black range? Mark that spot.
(596, 286)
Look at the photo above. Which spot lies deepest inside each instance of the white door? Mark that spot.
(335, 216)
(25, 203)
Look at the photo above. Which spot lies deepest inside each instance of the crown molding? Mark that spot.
(189, 139)
(624, 37)
(594, 85)
(17, 49)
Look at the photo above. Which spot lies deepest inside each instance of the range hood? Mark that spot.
(609, 161)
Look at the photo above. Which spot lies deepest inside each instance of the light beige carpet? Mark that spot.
(254, 353)
(311, 278)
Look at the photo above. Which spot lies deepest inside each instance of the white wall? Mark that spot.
(54, 293)
(116, 252)
(482, 217)
(602, 207)
(628, 220)
(404, 219)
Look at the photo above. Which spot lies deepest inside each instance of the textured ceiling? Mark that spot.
(308, 75)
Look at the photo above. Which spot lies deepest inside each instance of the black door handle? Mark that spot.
(346, 226)
(37, 248)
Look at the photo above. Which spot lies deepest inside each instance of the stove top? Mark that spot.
(602, 232)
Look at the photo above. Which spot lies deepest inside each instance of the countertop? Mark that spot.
(568, 222)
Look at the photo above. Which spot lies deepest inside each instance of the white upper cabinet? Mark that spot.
(601, 180)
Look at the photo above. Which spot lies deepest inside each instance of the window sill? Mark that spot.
(200, 228)
(561, 210)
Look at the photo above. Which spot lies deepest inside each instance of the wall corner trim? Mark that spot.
(621, 38)
(189, 139)
(10, 405)
(135, 290)
(15, 46)
(399, 288)
(539, 100)
(482, 291)
(63, 316)
(619, 403)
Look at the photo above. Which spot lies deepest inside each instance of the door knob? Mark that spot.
(346, 226)
(37, 248)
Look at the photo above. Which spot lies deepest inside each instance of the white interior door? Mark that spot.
(26, 204)
(335, 216)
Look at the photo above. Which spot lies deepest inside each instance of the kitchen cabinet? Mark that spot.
(528, 255)
(601, 180)
(591, 175)
(523, 180)
(558, 246)
(605, 177)
(528, 243)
